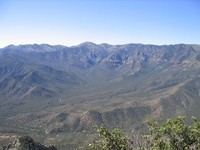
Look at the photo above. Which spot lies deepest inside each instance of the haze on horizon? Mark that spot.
(100, 21)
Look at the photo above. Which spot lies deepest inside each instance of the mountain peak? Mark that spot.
(87, 44)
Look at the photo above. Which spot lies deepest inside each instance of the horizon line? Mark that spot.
(94, 43)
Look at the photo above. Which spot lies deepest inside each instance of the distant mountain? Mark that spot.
(58, 89)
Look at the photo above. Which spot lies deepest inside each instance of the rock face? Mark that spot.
(26, 143)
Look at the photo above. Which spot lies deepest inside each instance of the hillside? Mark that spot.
(50, 91)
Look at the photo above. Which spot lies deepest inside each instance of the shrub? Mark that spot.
(110, 140)
(174, 134)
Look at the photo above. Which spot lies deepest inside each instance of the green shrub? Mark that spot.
(110, 140)
(174, 134)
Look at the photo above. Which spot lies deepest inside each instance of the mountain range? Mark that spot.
(57, 91)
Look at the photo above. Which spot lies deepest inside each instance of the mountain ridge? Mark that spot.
(12, 46)
(66, 90)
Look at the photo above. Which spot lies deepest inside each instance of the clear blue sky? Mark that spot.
(70, 22)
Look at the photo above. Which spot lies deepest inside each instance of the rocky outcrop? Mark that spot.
(26, 143)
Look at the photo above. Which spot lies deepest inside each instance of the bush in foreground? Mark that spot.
(174, 134)
(110, 140)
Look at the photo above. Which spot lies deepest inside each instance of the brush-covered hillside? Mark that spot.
(57, 91)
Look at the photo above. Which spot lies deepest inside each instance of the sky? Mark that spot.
(71, 22)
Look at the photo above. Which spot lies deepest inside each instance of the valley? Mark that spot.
(57, 91)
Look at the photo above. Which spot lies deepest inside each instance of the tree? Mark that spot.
(110, 140)
(175, 134)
